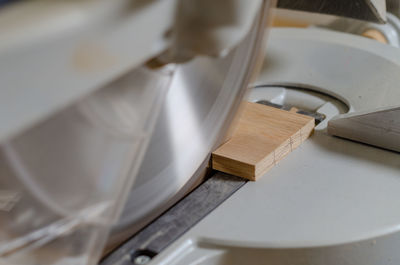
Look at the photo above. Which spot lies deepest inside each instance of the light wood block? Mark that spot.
(264, 136)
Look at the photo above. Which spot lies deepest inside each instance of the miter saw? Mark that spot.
(81, 97)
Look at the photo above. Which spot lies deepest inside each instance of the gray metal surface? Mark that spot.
(361, 72)
(390, 30)
(200, 105)
(54, 53)
(177, 220)
(317, 116)
(370, 10)
(65, 50)
(380, 127)
(331, 201)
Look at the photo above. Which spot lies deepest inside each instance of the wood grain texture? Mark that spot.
(264, 136)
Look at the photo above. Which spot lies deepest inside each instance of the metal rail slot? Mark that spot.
(150, 241)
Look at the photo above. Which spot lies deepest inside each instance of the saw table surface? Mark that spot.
(332, 201)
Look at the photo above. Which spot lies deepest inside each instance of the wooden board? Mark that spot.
(264, 136)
